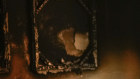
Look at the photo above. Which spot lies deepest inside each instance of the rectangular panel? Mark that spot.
(64, 36)
(4, 45)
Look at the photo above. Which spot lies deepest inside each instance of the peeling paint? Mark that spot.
(36, 46)
(5, 27)
(41, 6)
(26, 53)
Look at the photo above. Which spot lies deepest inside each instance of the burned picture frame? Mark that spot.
(64, 36)
(4, 41)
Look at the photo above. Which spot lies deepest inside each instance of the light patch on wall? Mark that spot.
(81, 41)
(75, 44)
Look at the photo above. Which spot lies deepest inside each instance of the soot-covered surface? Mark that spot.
(4, 39)
(118, 42)
(64, 35)
(58, 23)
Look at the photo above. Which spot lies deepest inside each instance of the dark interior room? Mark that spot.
(117, 35)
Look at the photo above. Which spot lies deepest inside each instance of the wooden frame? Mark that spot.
(4, 41)
(77, 65)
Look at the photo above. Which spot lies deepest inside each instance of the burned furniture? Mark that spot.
(63, 36)
(4, 44)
